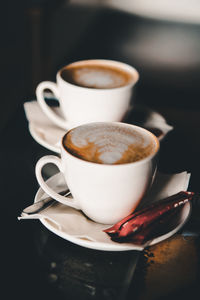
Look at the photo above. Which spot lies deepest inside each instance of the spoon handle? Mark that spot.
(42, 204)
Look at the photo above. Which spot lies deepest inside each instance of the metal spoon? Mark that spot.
(42, 204)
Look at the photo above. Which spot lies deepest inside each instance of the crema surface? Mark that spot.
(96, 76)
(109, 143)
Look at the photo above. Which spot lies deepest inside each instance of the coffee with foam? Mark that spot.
(110, 143)
(96, 75)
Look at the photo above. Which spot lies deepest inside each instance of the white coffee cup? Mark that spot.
(81, 104)
(106, 193)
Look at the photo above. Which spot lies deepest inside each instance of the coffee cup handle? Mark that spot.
(45, 108)
(38, 171)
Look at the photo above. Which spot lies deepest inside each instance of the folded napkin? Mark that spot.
(41, 125)
(73, 225)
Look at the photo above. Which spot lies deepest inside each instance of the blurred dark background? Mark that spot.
(40, 36)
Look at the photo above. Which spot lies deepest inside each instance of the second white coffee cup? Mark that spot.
(105, 94)
(106, 193)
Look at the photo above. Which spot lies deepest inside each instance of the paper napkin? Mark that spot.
(42, 126)
(73, 223)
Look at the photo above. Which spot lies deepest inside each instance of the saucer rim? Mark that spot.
(95, 245)
(37, 137)
(41, 141)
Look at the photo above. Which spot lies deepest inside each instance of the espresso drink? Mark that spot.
(109, 143)
(98, 76)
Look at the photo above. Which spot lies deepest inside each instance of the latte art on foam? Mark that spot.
(96, 76)
(108, 144)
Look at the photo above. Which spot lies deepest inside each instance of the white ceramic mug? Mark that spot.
(81, 105)
(105, 193)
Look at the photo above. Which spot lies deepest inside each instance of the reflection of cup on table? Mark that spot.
(90, 91)
(108, 167)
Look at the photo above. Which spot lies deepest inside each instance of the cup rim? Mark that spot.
(141, 161)
(120, 64)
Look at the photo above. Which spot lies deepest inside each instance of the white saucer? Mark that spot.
(75, 222)
(43, 140)
(49, 135)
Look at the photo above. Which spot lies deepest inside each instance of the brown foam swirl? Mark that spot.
(96, 76)
(108, 143)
